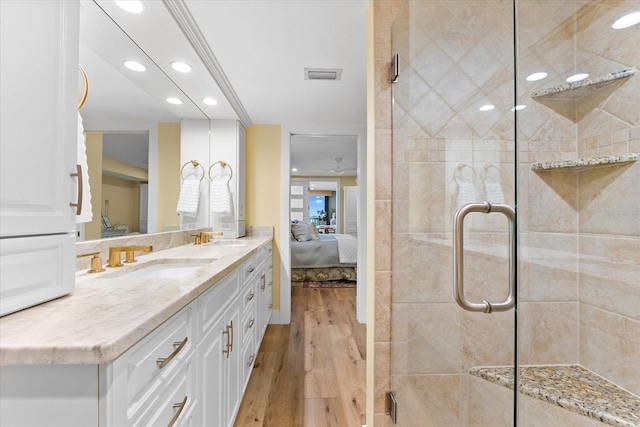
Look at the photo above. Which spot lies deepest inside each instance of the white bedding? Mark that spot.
(347, 248)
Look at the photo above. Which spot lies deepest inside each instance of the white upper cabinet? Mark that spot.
(39, 80)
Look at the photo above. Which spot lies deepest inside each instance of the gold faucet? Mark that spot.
(204, 235)
(115, 260)
(96, 262)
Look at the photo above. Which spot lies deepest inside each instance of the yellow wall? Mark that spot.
(168, 174)
(124, 201)
(263, 189)
(93, 142)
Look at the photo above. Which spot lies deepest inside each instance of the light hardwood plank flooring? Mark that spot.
(310, 373)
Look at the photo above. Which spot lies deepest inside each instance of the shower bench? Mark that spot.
(573, 388)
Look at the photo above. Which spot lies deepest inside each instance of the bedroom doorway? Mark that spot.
(319, 156)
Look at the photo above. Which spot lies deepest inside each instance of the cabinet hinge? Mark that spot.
(394, 69)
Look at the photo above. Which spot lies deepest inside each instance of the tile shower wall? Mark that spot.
(590, 220)
(599, 209)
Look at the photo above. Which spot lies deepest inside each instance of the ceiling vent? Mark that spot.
(322, 73)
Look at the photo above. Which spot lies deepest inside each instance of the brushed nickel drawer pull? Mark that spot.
(227, 345)
(78, 205)
(251, 360)
(250, 325)
(250, 269)
(179, 406)
(263, 278)
(270, 305)
(178, 345)
(250, 297)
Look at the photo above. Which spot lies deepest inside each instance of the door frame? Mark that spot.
(283, 315)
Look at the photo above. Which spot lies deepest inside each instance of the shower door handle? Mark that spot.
(458, 255)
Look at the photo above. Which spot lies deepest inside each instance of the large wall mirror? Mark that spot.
(132, 133)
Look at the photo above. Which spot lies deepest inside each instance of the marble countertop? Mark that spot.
(106, 315)
(571, 387)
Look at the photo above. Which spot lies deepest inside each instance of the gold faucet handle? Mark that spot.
(96, 262)
(196, 239)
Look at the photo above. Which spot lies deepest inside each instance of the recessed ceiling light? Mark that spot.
(519, 107)
(175, 101)
(181, 67)
(134, 65)
(210, 101)
(294, 169)
(487, 107)
(536, 76)
(133, 6)
(576, 77)
(627, 21)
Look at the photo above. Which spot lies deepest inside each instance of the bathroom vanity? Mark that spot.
(169, 340)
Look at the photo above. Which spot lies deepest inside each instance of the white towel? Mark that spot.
(466, 194)
(220, 197)
(86, 214)
(493, 192)
(189, 198)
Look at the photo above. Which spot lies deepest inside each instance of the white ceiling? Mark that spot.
(261, 48)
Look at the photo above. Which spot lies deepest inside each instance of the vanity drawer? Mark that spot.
(249, 270)
(249, 296)
(249, 324)
(143, 371)
(174, 405)
(249, 354)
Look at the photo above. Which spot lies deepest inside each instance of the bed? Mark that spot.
(321, 257)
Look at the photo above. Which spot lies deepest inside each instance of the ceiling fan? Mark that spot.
(338, 170)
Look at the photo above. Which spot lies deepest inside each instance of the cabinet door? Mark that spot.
(38, 112)
(211, 391)
(233, 363)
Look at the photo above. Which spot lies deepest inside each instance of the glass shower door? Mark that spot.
(454, 187)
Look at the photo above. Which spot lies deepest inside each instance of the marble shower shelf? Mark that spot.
(577, 90)
(573, 388)
(581, 164)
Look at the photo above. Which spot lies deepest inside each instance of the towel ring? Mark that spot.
(85, 84)
(458, 172)
(485, 173)
(195, 165)
(223, 164)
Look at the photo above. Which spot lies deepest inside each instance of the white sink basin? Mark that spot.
(228, 242)
(163, 269)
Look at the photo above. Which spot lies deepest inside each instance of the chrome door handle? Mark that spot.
(458, 255)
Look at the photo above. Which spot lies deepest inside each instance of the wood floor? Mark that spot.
(310, 373)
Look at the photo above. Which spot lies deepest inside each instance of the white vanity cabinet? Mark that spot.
(191, 370)
(38, 140)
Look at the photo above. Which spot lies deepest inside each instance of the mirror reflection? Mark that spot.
(130, 133)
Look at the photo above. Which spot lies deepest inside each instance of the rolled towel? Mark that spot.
(493, 192)
(189, 198)
(220, 196)
(466, 194)
(86, 215)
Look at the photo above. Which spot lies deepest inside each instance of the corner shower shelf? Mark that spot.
(571, 387)
(577, 90)
(581, 164)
